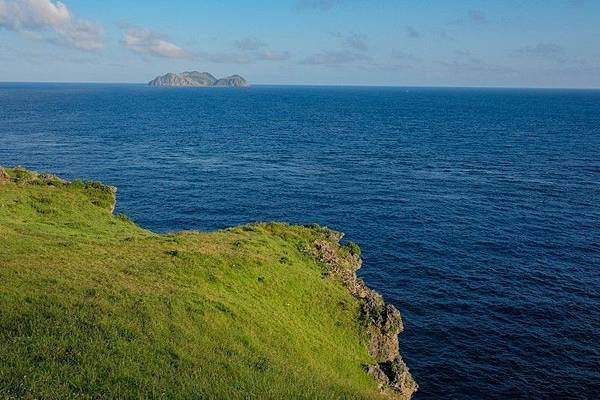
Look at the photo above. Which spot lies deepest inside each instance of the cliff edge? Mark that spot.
(94, 306)
(382, 322)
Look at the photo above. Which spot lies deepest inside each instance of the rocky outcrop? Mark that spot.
(4, 178)
(202, 78)
(197, 79)
(382, 321)
(21, 175)
(232, 81)
(171, 79)
(191, 78)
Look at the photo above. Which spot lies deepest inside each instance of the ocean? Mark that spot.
(478, 210)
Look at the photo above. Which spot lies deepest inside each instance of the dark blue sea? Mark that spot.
(478, 210)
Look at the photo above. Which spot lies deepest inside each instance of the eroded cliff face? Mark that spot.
(232, 81)
(382, 322)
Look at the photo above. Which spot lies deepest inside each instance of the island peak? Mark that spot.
(198, 79)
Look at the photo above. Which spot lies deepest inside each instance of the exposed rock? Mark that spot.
(232, 81)
(113, 190)
(21, 175)
(376, 372)
(384, 326)
(383, 323)
(4, 178)
(171, 79)
(191, 78)
(197, 79)
(394, 378)
(203, 78)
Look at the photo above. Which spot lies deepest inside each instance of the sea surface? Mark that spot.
(478, 210)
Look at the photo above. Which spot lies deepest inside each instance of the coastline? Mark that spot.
(382, 322)
(379, 323)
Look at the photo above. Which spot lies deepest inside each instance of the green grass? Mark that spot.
(94, 306)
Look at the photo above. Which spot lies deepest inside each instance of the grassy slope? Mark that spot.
(95, 306)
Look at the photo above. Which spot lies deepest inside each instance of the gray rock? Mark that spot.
(4, 178)
(382, 322)
(171, 79)
(197, 79)
(202, 78)
(232, 81)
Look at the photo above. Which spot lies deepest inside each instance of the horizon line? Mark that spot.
(317, 85)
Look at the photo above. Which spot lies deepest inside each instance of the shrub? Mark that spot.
(353, 249)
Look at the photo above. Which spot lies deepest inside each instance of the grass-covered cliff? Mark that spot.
(93, 306)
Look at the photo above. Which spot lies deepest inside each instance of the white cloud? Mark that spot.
(334, 58)
(323, 5)
(52, 21)
(405, 56)
(478, 17)
(250, 43)
(254, 49)
(226, 58)
(269, 55)
(357, 42)
(550, 51)
(412, 33)
(248, 50)
(144, 41)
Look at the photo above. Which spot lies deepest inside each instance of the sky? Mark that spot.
(480, 43)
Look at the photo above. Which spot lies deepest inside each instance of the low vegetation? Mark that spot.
(94, 306)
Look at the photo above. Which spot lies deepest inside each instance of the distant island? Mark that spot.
(198, 79)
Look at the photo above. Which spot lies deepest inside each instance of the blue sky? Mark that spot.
(502, 43)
